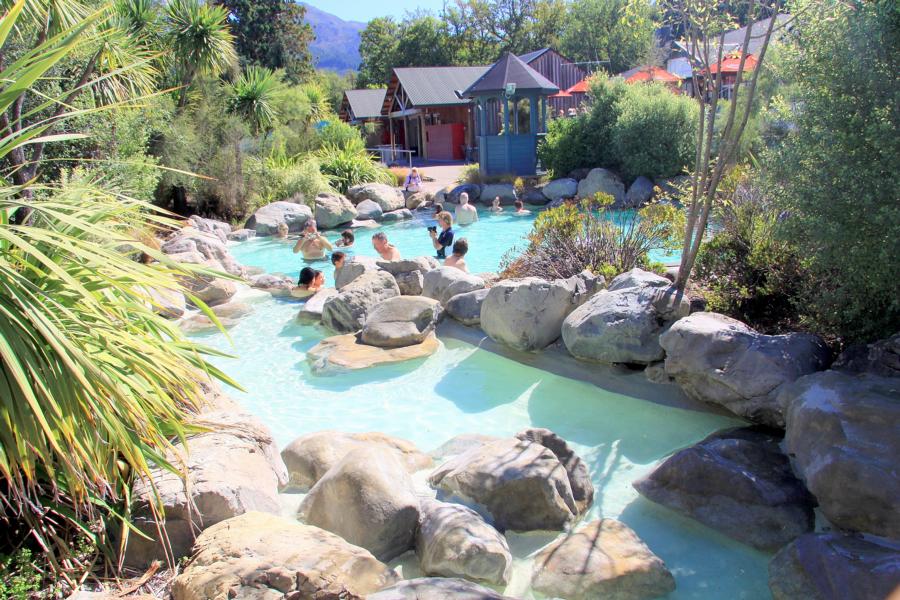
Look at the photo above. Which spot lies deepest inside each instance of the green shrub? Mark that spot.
(346, 167)
(573, 237)
(341, 135)
(655, 132)
(19, 578)
(277, 178)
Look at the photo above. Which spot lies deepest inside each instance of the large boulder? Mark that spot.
(347, 311)
(353, 268)
(506, 192)
(521, 484)
(241, 235)
(333, 210)
(277, 285)
(560, 188)
(262, 556)
(386, 197)
(722, 361)
(311, 311)
(831, 566)
(369, 210)
(219, 228)
(466, 308)
(737, 482)
(622, 324)
(409, 273)
(415, 199)
(878, 358)
(310, 456)
(460, 444)
(436, 588)
(576, 469)
(368, 499)
(639, 193)
(603, 181)
(168, 303)
(341, 353)
(231, 469)
(603, 559)
(266, 219)
(454, 541)
(206, 243)
(445, 282)
(402, 214)
(527, 314)
(534, 196)
(401, 321)
(472, 189)
(213, 291)
(843, 437)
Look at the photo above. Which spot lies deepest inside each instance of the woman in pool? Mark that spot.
(441, 241)
(520, 209)
(310, 282)
(495, 205)
(347, 239)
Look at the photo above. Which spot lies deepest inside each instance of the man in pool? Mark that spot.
(312, 243)
(385, 249)
(466, 214)
(457, 259)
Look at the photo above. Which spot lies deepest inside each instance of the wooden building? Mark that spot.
(561, 71)
(361, 106)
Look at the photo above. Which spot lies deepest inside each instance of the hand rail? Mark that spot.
(387, 151)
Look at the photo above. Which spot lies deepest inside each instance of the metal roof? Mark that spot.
(531, 56)
(734, 40)
(366, 104)
(511, 70)
(436, 86)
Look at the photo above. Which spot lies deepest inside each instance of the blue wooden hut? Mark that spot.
(510, 116)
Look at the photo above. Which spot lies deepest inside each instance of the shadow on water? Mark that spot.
(479, 383)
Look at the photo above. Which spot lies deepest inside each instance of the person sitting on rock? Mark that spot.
(310, 282)
(520, 209)
(385, 249)
(441, 241)
(466, 214)
(413, 181)
(457, 259)
(312, 243)
(495, 205)
(347, 239)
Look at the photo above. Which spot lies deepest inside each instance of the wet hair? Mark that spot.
(445, 216)
(308, 275)
(519, 205)
(461, 246)
(310, 222)
(336, 257)
(438, 208)
(348, 236)
(379, 236)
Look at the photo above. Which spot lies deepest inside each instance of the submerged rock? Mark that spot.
(843, 437)
(831, 566)
(603, 559)
(310, 456)
(737, 482)
(436, 588)
(348, 310)
(263, 556)
(462, 443)
(401, 321)
(521, 484)
(368, 499)
(722, 361)
(454, 541)
(576, 469)
(347, 352)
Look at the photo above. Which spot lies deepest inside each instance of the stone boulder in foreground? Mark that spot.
(466, 308)
(386, 197)
(454, 541)
(576, 469)
(843, 437)
(602, 181)
(436, 588)
(347, 311)
(445, 282)
(333, 210)
(257, 555)
(310, 456)
(831, 566)
(527, 314)
(603, 559)
(311, 311)
(232, 469)
(522, 485)
(737, 482)
(623, 323)
(368, 499)
(722, 361)
(401, 321)
(266, 219)
(346, 353)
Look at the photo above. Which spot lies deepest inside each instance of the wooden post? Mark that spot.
(533, 114)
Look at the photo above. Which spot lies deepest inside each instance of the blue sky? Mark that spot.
(364, 10)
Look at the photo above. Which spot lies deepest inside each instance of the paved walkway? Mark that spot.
(444, 174)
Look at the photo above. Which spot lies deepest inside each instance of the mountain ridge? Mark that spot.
(337, 41)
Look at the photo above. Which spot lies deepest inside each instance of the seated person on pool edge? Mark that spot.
(441, 241)
(310, 282)
(457, 259)
(312, 243)
(385, 249)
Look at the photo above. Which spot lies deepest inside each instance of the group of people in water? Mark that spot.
(313, 245)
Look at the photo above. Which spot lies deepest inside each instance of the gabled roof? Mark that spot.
(734, 40)
(649, 73)
(507, 70)
(528, 57)
(433, 86)
(581, 87)
(365, 104)
(732, 62)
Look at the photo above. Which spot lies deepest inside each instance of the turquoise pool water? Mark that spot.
(621, 427)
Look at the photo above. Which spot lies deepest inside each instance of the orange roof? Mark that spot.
(561, 94)
(579, 88)
(731, 63)
(652, 74)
